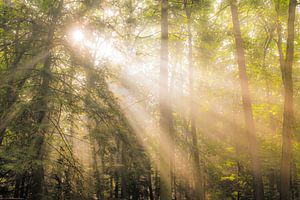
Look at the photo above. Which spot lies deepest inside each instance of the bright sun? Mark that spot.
(77, 35)
(100, 47)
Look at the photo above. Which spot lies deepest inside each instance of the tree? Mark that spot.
(288, 113)
(198, 177)
(144, 99)
(165, 112)
(247, 105)
(37, 189)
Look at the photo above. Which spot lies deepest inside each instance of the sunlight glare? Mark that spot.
(78, 35)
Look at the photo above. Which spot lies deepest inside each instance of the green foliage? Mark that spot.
(86, 122)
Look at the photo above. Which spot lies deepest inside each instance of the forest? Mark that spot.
(150, 99)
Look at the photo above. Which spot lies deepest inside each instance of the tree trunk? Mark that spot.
(151, 195)
(247, 105)
(295, 182)
(96, 172)
(37, 190)
(38, 174)
(156, 185)
(165, 142)
(111, 188)
(17, 186)
(288, 113)
(123, 171)
(198, 189)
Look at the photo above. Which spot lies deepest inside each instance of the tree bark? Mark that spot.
(288, 113)
(247, 105)
(123, 171)
(151, 193)
(164, 107)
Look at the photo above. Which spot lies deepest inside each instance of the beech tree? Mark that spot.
(247, 105)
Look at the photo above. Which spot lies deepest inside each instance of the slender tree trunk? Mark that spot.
(116, 189)
(156, 185)
(17, 186)
(98, 184)
(295, 182)
(288, 113)
(37, 188)
(151, 195)
(23, 189)
(198, 189)
(38, 174)
(111, 188)
(247, 105)
(166, 141)
(123, 172)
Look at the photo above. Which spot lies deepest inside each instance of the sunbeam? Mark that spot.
(149, 100)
